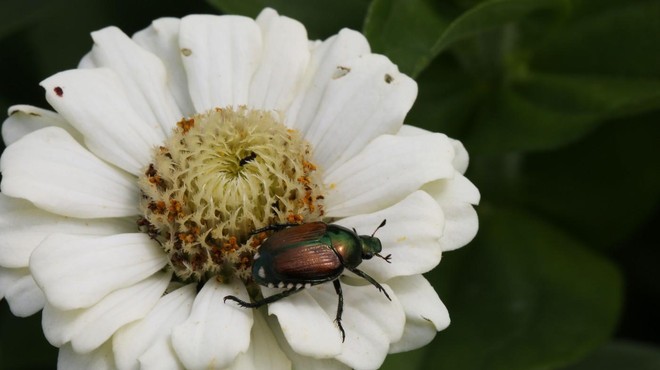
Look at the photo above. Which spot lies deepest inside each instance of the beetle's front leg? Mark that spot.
(340, 308)
(261, 302)
(368, 278)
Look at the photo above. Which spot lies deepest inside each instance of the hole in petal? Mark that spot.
(340, 72)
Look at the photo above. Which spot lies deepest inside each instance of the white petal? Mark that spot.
(461, 225)
(78, 271)
(23, 226)
(24, 296)
(24, 119)
(88, 328)
(425, 313)
(9, 277)
(264, 352)
(408, 130)
(86, 62)
(220, 54)
(455, 189)
(154, 332)
(325, 58)
(387, 170)
(50, 169)
(142, 74)
(461, 158)
(368, 335)
(371, 99)
(216, 332)
(299, 361)
(456, 197)
(99, 359)
(412, 236)
(283, 63)
(308, 329)
(160, 356)
(96, 103)
(162, 39)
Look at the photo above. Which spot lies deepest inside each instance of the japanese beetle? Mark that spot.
(298, 256)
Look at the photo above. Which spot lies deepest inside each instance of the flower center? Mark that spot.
(220, 176)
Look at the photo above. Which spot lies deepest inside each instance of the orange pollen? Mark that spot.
(294, 218)
(186, 237)
(157, 207)
(309, 166)
(230, 246)
(308, 200)
(175, 210)
(258, 239)
(186, 124)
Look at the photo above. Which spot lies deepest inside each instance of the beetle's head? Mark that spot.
(371, 245)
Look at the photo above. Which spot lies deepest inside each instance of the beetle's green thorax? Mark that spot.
(345, 243)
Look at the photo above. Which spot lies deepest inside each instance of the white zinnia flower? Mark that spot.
(201, 130)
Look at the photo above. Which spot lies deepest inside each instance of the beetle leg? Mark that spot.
(273, 227)
(386, 258)
(261, 302)
(340, 308)
(368, 278)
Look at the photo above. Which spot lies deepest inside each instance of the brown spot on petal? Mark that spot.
(58, 91)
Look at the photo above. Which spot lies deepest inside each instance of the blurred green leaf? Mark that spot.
(621, 355)
(601, 188)
(23, 343)
(558, 82)
(321, 18)
(523, 295)
(447, 98)
(406, 30)
(412, 33)
(492, 14)
(617, 41)
(18, 14)
(543, 111)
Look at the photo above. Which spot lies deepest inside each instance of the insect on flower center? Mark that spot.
(217, 178)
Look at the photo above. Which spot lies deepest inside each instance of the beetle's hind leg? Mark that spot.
(261, 302)
(340, 308)
(368, 278)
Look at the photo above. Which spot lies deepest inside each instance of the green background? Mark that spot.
(558, 105)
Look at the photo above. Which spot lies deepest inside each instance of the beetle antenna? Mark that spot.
(386, 258)
(379, 226)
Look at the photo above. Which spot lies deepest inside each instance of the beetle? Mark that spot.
(298, 256)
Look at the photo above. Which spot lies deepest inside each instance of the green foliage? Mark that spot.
(530, 296)
(412, 33)
(621, 355)
(558, 104)
(18, 13)
(23, 343)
